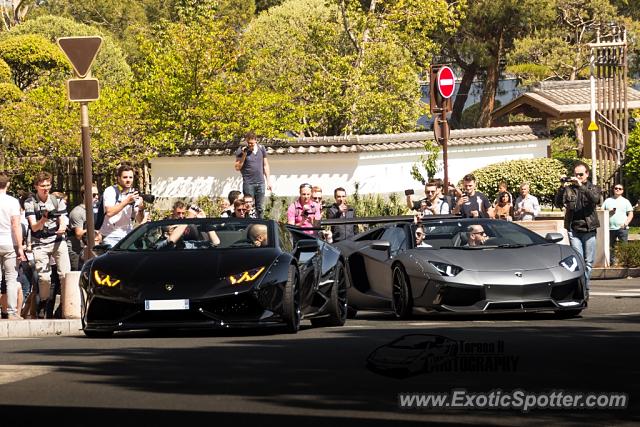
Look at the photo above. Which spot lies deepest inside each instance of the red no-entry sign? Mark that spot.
(446, 82)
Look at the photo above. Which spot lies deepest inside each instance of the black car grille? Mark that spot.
(518, 292)
(460, 296)
(234, 307)
(105, 310)
(527, 305)
(567, 291)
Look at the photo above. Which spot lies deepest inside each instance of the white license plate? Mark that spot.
(166, 304)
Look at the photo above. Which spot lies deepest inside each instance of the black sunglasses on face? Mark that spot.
(617, 188)
(579, 174)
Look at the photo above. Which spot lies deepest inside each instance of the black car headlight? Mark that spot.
(246, 276)
(571, 263)
(445, 269)
(104, 279)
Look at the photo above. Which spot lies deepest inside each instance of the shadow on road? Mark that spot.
(326, 369)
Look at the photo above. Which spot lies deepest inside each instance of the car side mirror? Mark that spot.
(554, 237)
(308, 245)
(101, 248)
(381, 245)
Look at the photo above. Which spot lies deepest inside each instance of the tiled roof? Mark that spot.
(562, 98)
(372, 143)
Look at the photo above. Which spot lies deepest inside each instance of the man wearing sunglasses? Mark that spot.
(580, 197)
(620, 216)
(78, 226)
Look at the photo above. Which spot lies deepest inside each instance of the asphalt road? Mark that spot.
(319, 376)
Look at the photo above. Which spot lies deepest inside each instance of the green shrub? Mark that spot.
(542, 175)
(10, 93)
(5, 72)
(628, 254)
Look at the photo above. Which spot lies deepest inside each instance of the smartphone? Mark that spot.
(409, 192)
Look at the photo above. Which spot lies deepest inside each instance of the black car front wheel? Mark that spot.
(337, 301)
(401, 299)
(291, 301)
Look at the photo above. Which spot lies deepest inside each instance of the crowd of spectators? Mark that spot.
(40, 243)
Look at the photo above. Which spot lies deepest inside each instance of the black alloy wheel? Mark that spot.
(401, 299)
(337, 300)
(291, 301)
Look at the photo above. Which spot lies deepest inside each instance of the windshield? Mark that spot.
(456, 234)
(198, 234)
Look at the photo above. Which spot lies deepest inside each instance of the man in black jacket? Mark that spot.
(340, 209)
(580, 198)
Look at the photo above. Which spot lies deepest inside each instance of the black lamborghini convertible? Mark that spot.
(212, 273)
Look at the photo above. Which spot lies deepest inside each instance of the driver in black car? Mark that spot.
(257, 235)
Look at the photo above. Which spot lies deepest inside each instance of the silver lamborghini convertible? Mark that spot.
(441, 267)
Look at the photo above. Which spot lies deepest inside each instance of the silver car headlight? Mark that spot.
(445, 269)
(571, 263)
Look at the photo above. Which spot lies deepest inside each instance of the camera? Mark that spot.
(564, 179)
(194, 208)
(408, 192)
(429, 203)
(148, 198)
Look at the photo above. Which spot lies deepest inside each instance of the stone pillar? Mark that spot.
(70, 295)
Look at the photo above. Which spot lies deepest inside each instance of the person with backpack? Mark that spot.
(47, 217)
(120, 208)
(78, 226)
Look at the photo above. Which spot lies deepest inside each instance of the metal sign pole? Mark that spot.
(87, 176)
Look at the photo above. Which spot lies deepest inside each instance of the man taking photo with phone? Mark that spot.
(340, 209)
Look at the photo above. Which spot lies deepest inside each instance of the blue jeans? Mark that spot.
(614, 236)
(585, 245)
(257, 192)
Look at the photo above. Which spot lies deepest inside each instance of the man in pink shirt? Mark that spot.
(304, 211)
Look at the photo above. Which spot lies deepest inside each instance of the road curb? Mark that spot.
(40, 328)
(614, 273)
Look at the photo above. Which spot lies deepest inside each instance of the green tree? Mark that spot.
(110, 68)
(342, 74)
(485, 35)
(561, 51)
(32, 59)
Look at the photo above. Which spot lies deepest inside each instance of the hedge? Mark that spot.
(543, 176)
(628, 254)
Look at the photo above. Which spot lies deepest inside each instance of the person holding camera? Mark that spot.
(251, 161)
(340, 209)
(304, 212)
(580, 197)
(78, 226)
(47, 216)
(620, 216)
(123, 207)
(472, 204)
(433, 204)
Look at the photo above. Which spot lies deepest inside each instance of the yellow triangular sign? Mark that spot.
(81, 51)
(593, 126)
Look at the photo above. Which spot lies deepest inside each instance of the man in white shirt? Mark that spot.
(620, 216)
(123, 207)
(11, 252)
(527, 207)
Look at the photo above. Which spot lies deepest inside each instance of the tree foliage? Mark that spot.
(110, 67)
(32, 58)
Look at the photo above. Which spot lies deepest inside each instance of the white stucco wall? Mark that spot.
(376, 172)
